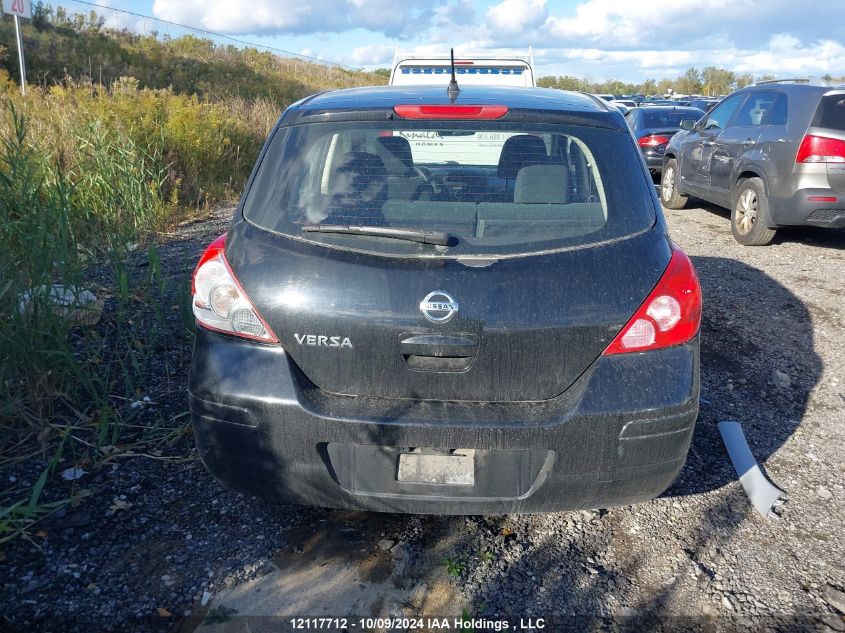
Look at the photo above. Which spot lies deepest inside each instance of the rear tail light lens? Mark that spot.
(653, 140)
(821, 149)
(451, 111)
(670, 315)
(220, 303)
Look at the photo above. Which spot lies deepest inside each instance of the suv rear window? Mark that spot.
(831, 112)
(496, 187)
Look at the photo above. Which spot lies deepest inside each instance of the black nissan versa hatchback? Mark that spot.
(447, 305)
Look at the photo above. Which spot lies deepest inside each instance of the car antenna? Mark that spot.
(453, 91)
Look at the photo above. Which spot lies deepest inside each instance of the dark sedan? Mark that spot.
(654, 126)
(454, 305)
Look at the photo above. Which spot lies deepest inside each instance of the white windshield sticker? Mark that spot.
(479, 148)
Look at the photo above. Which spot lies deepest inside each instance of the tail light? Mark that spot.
(653, 140)
(820, 149)
(220, 303)
(451, 111)
(670, 315)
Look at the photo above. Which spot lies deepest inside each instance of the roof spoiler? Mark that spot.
(811, 81)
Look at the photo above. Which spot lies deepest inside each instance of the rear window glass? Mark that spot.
(831, 112)
(495, 187)
(670, 119)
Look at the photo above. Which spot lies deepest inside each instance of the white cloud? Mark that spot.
(390, 17)
(624, 39)
(310, 52)
(516, 16)
(615, 24)
(373, 55)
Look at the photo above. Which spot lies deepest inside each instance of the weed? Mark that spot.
(466, 621)
(219, 614)
(455, 566)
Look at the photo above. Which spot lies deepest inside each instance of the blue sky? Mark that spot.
(630, 40)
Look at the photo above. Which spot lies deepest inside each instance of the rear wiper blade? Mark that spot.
(423, 236)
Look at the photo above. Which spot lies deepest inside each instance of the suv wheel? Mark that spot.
(750, 214)
(669, 194)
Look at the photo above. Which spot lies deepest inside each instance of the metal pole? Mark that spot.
(20, 56)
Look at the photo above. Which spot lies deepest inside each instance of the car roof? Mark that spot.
(513, 97)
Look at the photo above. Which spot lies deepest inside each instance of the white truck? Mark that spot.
(516, 71)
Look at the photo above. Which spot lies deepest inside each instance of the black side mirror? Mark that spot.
(688, 124)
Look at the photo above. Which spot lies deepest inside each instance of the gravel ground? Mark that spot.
(158, 545)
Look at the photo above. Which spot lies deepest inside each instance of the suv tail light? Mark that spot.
(821, 149)
(670, 315)
(220, 303)
(653, 140)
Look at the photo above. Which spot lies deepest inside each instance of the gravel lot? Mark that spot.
(184, 554)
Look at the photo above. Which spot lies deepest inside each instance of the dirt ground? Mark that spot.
(187, 555)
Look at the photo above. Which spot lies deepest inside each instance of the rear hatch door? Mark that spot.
(829, 122)
(523, 329)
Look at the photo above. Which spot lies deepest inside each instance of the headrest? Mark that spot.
(400, 149)
(542, 184)
(359, 177)
(520, 151)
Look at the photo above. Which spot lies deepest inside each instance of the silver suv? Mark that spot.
(773, 153)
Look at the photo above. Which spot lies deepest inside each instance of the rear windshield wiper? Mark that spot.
(439, 238)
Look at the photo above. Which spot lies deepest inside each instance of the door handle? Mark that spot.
(438, 352)
(438, 346)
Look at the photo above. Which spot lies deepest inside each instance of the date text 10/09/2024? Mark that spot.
(406, 624)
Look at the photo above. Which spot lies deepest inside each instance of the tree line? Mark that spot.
(710, 81)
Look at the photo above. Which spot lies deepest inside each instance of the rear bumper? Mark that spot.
(654, 161)
(619, 435)
(800, 210)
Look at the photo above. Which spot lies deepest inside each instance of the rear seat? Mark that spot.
(540, 191)
(541, 195)
(580, 217)
(452, 217)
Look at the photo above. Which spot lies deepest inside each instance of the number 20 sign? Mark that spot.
(20, 8)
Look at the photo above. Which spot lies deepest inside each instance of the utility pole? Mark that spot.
(21, 61)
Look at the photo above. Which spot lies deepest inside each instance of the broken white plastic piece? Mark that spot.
(71, 474)
(760, 490)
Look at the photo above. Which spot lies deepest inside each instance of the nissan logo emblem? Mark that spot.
(438, 307)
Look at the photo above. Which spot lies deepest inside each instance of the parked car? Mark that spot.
(622, 108)
(703, 104)
(624, 102)
(502, 327)
(654, 126)
(773, 153)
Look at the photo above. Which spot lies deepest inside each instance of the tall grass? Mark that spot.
(205, 149)
(78, 191)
